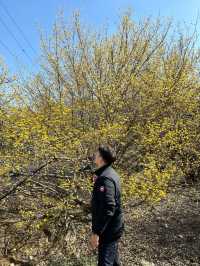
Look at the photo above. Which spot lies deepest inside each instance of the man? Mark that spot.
(107, 217)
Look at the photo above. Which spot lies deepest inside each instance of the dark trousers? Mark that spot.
(108, 254)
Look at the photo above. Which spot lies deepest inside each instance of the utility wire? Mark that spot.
(7, 49)
(17, 61)
(17, 26)
(18, 43)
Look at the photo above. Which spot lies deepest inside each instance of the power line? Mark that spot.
(7, 48)
(17, 26)
(17, 61)
(18, 43)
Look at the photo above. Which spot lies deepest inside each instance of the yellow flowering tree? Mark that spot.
(135, 89)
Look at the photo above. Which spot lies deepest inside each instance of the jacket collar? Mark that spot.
(100, 170)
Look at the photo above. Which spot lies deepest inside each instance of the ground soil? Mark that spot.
(165, 234)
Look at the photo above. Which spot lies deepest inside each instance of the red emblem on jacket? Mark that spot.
(102, 189)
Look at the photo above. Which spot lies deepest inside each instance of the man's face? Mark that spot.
(98, 160)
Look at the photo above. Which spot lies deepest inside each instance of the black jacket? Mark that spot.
(107, 216)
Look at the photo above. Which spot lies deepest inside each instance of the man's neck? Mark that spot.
(101, 166)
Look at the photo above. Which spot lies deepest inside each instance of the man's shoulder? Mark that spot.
(103, 180)
(110, 172)
(111, 175)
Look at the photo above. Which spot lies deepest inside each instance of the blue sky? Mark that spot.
(29, 14)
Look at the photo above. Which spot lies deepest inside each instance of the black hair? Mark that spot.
(107, 153)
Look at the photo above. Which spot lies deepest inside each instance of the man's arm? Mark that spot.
(105, 193)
